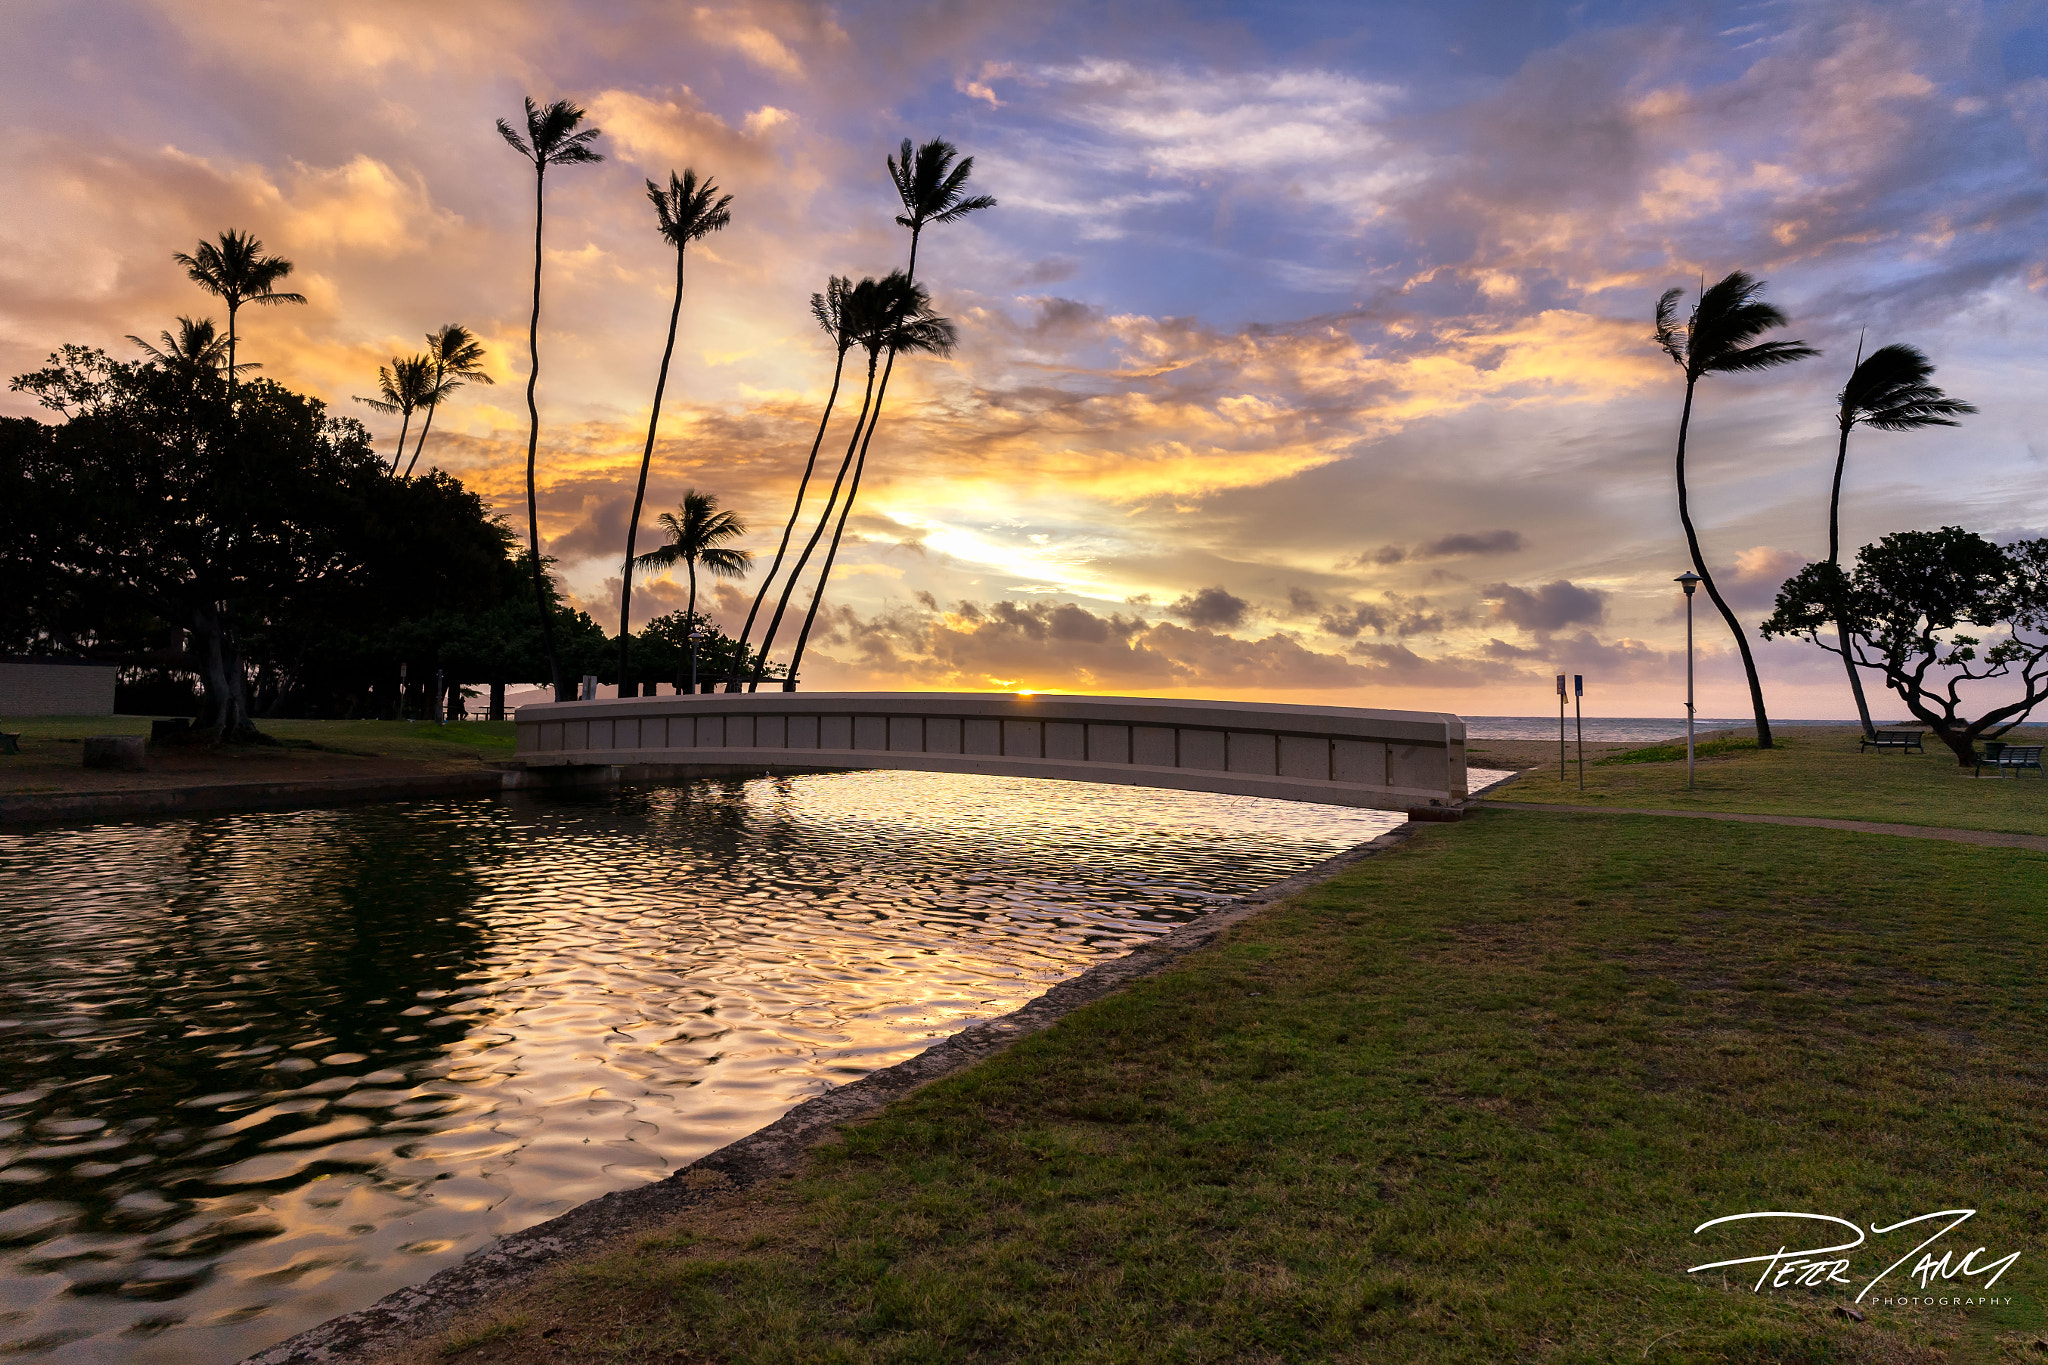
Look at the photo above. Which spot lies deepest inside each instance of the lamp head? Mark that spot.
(1687, 580)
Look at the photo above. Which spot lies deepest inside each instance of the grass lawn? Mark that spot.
(369, 738)
(1814, 771)
(1464, 1103)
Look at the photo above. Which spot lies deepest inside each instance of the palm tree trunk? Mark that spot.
(690, 620)
(1699, 565)
(795, 511)
(789, 584)
(399, 453)
(540, 594)
(425, 427)
(232, 306)
(675, 314)
(1835, 558)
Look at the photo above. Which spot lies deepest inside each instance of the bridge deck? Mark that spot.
(1388, 760)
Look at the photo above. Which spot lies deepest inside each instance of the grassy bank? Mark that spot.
(1813, 771)
(363, 738)
(1464, 1103)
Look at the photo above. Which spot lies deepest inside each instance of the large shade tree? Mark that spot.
(235, 270)
(554, 136)
(684, 212)
(1918, 609)
(1888, 390)
(1719, 336)
(698, 536)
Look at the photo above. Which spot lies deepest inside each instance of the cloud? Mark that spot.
(1552, 606)
(1455, 546)
(1210, 607)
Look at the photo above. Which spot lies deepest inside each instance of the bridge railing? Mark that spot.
(1339, 755)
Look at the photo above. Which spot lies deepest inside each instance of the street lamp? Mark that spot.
(1689, 581)
(698, 634)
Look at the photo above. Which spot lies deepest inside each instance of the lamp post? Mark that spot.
(698, 634)
(1689, 581)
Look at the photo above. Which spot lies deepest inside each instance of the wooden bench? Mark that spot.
(2012, 758)
(1905, 741)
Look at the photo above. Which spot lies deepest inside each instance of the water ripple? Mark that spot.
(264, 1068)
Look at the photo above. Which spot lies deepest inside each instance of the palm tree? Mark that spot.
(910, 327)
(458, 359)
(236, 270)
(552, 139)
(1720, 338)
(1888, 391)
(406, 384)
(698, 536)
(196, 355)
(684, 212)
(933, 190)
(829, 308)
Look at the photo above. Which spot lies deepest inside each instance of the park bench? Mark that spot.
(2012, 758)
(1905, 741)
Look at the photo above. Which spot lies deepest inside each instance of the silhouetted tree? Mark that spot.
(552, 139)
(1903, 613)
(1888, 391)
(697, 537)
(404, 385)
(197, 355)
(683, 212)
(235, 270)
(1719, 337)
(910, 328)
(458, 359)
(829, 308)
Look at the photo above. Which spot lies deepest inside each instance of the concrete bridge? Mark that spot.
(1338, 755)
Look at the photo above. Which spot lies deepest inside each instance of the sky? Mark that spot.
(1305, 355)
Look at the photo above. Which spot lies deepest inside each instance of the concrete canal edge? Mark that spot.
(406, 1315)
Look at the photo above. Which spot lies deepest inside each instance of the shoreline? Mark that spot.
(773, 1151)
(147, 803)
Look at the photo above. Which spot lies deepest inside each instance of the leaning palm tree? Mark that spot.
(684, 212)
(196, 355)
(458, 359)
(406, 385)
(697, 537)
(1888, 391)
(933, 189)
(829, 308)
(552, 139)
(913, 329)
(236, 270)
(1719, 337)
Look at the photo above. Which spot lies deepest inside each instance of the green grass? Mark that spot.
(1464, 1103)
(374, 738)
(1814, 771)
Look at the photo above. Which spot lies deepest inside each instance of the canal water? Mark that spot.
(263, 1068)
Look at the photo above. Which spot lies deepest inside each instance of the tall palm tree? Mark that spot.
(684, 212)
(197, 355)
(406, 384)
(697, 537)
(933, 188)
(236, 270)
(911, 328)
(458, 359)
(829, 308)
(1719, 337)
(552, 139)
(1888, 391)
(863, 315)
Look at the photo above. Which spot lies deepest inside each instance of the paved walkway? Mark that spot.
(1989, 838)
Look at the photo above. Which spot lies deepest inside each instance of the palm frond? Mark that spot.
(1762, 356)
(687, 210)
(1889, 391)
(1670, 335)
(1719, 336)
(932, 186)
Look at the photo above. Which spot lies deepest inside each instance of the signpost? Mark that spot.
(1560, 727)
(1579, 722)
